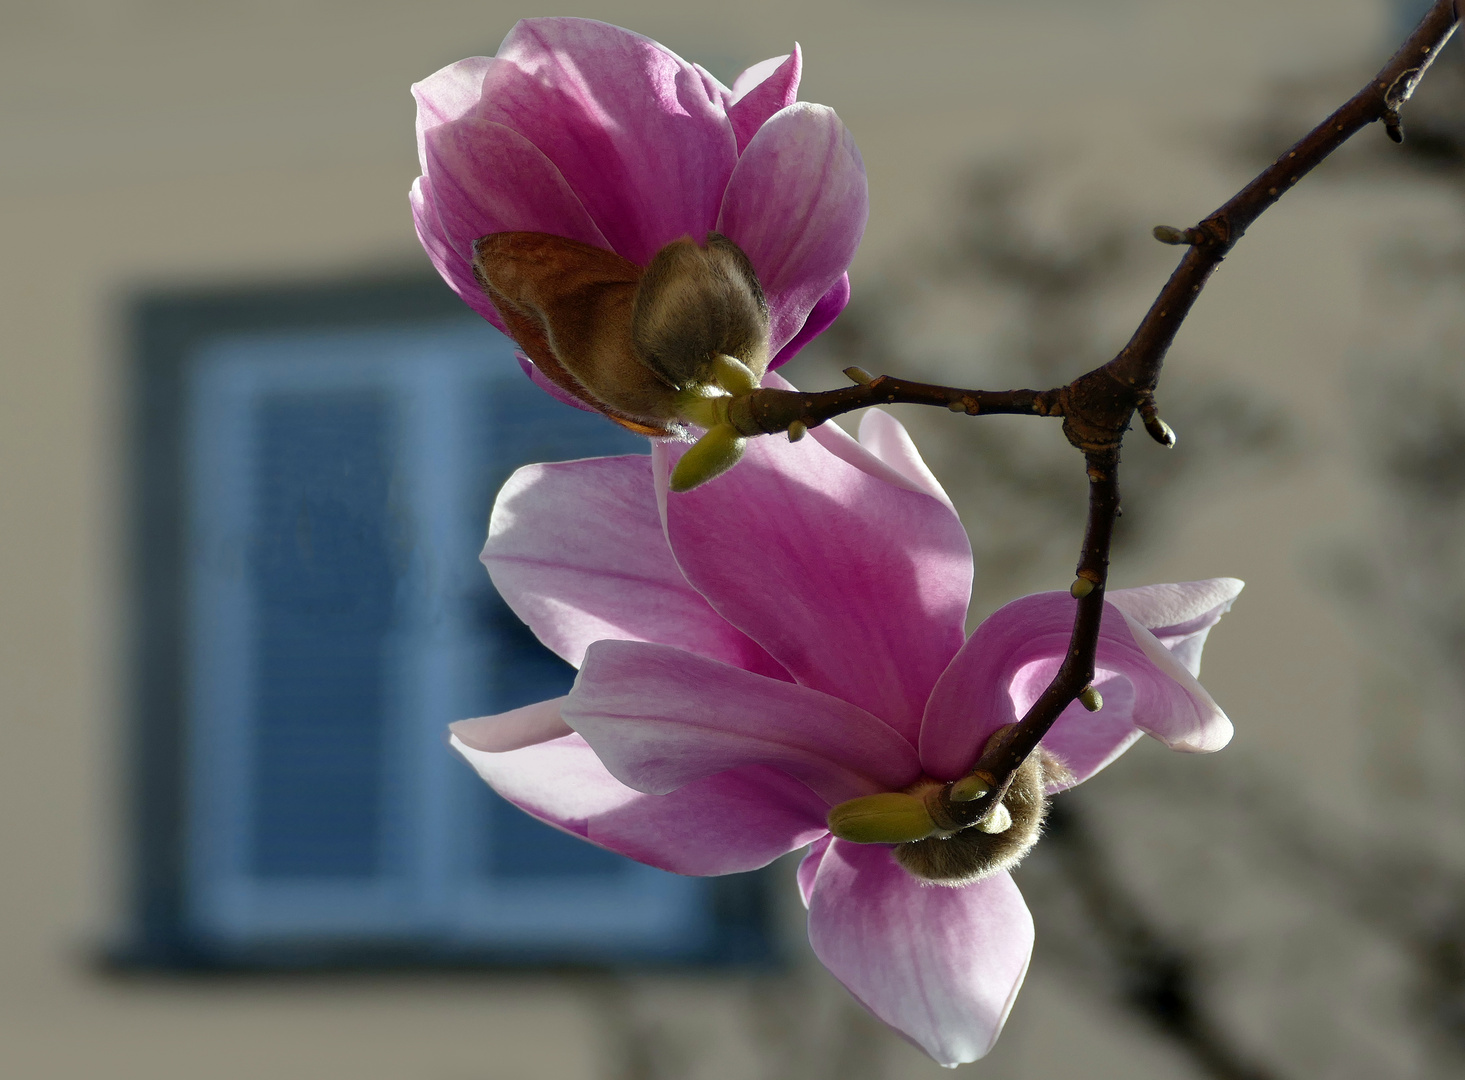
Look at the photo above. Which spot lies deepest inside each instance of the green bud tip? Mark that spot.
(956, 406)
(1080, 588)
(892, 817)
(710, 456)
(733, 375)
(859, 375)
(998, 820)
(1090, 699)
(796, 430)
(1168, 234)
(969, 789)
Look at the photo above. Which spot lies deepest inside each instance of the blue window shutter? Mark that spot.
(339, 489)
(324, 575)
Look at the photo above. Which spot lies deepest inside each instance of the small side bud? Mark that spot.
(997, 821)
(1160, 431)
(733, 375)
(859, 375)
(710, 456)
(969, 788)
(892, 817)
(797, 430)
(1090, 699)
(998, 842)
(1080, 588)
(1168, 234)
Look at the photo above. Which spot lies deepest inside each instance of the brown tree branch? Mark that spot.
(1098, 406)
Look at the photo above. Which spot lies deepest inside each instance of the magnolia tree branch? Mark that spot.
(1098, 406)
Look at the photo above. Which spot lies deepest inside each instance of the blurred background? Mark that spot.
(205, 221)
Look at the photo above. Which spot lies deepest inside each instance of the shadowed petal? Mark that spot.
(1180, 616)
(941, 966)
(576, 549)
(1086, 742)
(660, 718)
(487, 178)
(998, 673)
(856, 586)
(453, 267)
(514, 729)
(819, 320)
(797, 204)
(725, 824)
(763, 90)
(632, 127)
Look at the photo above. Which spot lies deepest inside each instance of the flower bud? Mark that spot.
(997, 842)
(892, 817)
(695, 308)
(654, 350)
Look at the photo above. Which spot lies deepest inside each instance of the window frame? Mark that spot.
(168, 332)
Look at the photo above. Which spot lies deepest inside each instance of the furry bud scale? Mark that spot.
(648, 348)
(985, 848)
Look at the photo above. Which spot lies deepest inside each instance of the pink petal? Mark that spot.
(447, 95)
(819, 320)
(941, 966)
(453, 267)
(998, 673)
(1179, 615)
(1087, 742)
(725, 824)
(514, 729)
(715, 89)
(886, 437)
(752, 77)
(852, 452)
(631, 126)
(797, 204)
(763, 90)
(660, 718)
(809, 867)
(856, 586)
(487, 178)
(576, 549)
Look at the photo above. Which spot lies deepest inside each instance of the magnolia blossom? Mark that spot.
(597, 135)
(786, 638)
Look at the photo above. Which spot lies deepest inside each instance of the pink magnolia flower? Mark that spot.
(595, 134)
(788, 637)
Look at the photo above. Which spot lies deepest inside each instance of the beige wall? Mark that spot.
(168, 143)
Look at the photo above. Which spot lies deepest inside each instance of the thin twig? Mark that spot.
(1098, 406)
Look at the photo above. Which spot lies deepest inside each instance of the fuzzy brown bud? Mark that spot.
(645, 347)
(991, 844)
